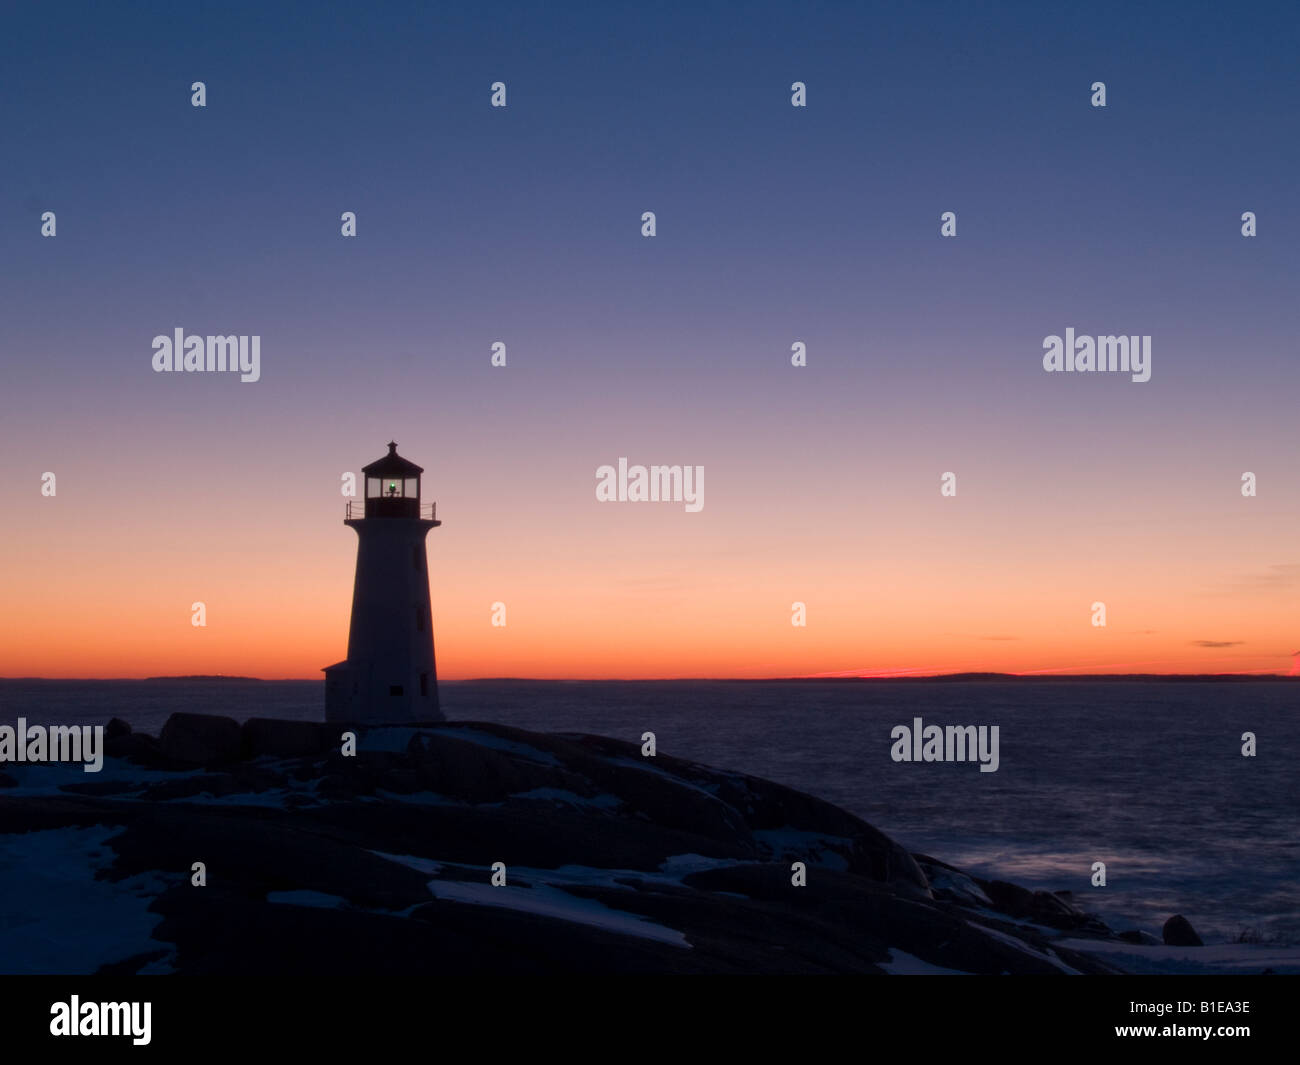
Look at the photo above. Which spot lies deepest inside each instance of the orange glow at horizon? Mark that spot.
(896, 582)
(676, 611)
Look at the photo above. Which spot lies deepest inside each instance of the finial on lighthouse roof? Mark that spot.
(392, 465)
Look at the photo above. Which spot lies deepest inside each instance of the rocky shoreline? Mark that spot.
(383, 861)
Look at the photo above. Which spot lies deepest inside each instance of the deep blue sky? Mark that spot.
(770, 217)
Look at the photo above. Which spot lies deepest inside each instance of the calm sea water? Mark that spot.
(1145, 776)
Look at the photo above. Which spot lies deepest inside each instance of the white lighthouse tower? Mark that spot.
(389, 675)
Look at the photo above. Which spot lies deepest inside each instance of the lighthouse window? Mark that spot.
(424, 684)
(419, 619)
(395, 689)
(415, 557)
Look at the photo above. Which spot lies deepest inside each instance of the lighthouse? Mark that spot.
(389, 675)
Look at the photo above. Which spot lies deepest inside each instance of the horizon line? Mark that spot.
(813, 678)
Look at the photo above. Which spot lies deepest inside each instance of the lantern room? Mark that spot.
(392, 486)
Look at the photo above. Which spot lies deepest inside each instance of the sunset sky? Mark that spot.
(775, 225)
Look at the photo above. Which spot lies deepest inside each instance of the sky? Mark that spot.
(775, 224)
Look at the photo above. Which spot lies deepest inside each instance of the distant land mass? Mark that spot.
(1001, 678)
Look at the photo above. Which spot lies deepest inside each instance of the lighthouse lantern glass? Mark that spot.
(392, 487)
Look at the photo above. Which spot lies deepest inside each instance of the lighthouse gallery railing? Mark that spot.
(356, 508)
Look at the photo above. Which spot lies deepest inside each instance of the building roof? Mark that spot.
(392, 465)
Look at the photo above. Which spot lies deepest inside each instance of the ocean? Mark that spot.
(1146, 776)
